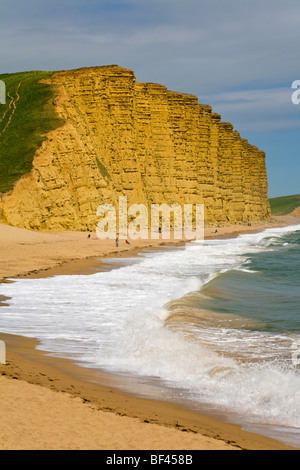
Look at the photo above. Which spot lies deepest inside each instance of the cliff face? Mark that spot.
(139, 140)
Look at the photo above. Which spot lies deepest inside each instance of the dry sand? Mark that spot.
(25, 252)
(39, 418)
(49, 403)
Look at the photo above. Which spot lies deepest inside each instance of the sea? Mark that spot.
(213, 325)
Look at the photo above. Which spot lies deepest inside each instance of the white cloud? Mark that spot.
(203, 47)
(258, 110)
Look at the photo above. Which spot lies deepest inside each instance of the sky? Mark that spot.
(239, 56)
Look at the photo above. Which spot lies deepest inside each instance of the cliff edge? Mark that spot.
(121, 137)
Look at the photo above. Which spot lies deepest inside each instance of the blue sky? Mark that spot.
(239, 56)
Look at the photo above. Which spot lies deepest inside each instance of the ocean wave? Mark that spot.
(121, 321)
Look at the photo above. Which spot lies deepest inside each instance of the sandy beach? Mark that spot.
(49, 403)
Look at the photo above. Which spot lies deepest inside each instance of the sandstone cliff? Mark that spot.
(140, 140)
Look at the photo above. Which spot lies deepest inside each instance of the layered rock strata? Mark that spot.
(140, 140)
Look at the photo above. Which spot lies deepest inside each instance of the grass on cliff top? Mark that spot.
(27, 115)
(285, 204)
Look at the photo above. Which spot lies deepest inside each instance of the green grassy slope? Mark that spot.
(285, 204)
(26, 116)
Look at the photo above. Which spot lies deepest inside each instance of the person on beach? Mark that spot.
(117, 242)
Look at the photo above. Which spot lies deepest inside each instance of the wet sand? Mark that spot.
(50, 403)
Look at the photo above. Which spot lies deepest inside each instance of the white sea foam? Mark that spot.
(117, 321)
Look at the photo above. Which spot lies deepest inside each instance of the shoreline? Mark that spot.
(28, 365)
(42, 254)
(95, 389)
